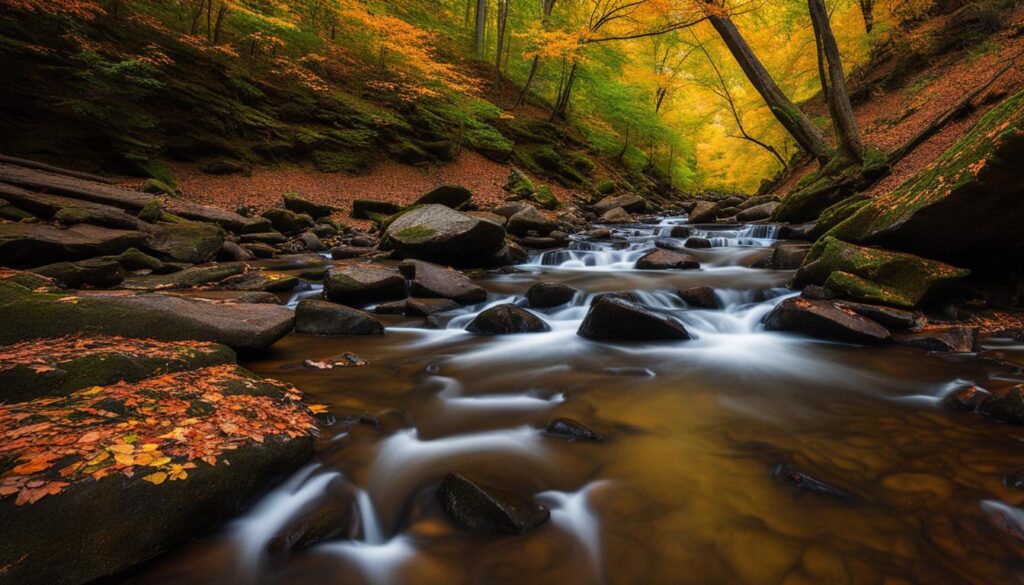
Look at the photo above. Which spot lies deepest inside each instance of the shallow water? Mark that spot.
(685, 488)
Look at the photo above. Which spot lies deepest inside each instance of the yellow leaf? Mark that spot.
(124, 459)
(150, 447)
(156, 478)
(318, 408)
(160, 461)
(102, 456)
(91, 391)
(122, 448)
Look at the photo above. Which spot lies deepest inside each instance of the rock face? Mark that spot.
(488, 509)
(544, 295)
(666, 260)
(31, 315)
(874, 275)
(824, 320)
(183, 470)
(613, 318)
(961, 207)
(440, 234)
(704, 212)
(617, 216)
(530, 219)
(437, 282)
(34, 244)
(190, 242)
(631, 203)
(363, 285)
(454, 196)
(325, 318)
(506, 319)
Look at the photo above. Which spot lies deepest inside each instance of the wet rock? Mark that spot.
(891, 318)
(680, 231)
(288, 222)
(311, 242)
(617, 216)
(425, 307)
(267, 238)
(874, 275)
(325, 318)
(370, 208)
(297, 204)
(955, 339)
(824, 320)
(432, 281)
(232, 252)
(757, 212)
(666, 260)
(260, 250)
(599, 233)
(325, 518)
(704, 212)
(1007, 407)
(1014, 480)
(454, 196)
(670, 244)
(700, 297)
(537, 243)
(698, 243)
(95, 272)
(347, 252)
(13, 213)
(630, 203)
(805, 482)
(484, 508)
(614, 318)
(965, 399)
(30, 315)
(817, 293)
(788, 257)
(363, 285)
(530, 219)
(261, 281)
(573, 430)
(506, 319)
(544, 295)
(488, 216)
(258, 298)
(510, 209)
(363, 242)
(440, 234)
(187, 278)
(191, 242)
(134, 259)
(35, 244)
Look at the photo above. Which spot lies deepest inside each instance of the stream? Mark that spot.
(704, 473)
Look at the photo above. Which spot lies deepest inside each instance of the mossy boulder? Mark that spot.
(440, 234)
(95, 272)
(875, 275)
(370, 208)
(837, 214)
(188, 241)
(135, 259)
(152, 212)
(288, 222)
(544, 197)
(519, 184)
(962, 207)
(363, 285)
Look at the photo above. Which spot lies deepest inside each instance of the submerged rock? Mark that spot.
(363, 285)
(544, 295)
(505, 319)
(441, 234)
(489, 509)
(967, 398)
(326, 318)
(824, 320)
(1007, 407)
(573, 430)
(660, 259)
(615, 318)
(805, 482)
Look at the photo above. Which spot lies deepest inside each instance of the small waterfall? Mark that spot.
(372, 534)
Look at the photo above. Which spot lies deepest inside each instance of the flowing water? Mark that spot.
(698, 478)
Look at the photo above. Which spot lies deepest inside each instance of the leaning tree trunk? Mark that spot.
(833, 83)
(480, 31)
(548, 6)
(806, 134)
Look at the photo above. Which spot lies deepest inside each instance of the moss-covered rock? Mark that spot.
(296, 203)
(288, 222)
(963, 206)
(439, 234)
(367, 208)
(188, 241)
(875, 275)
(837, 214)
(519, 184)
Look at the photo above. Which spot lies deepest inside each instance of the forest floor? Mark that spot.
(889, 117)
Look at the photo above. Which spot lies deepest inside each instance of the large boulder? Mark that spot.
(618, 319)
(704, 212)
(660, 259)
(631, 203)
(432, 281)
(544, 295)
(483, 508)
(32, 315)
(617, 216)
(181, 452)
(454, 196)
(824, 320)
(700, 297)
(189, 241)
(288, 222)
(758, 212)
(441, 234)
(530, 219)
(874, 275)
(506, 319)
(326, 318)
(363, 284)
(963, 206)
(35, 244)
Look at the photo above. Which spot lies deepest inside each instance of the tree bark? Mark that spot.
(806, 134)
(833, 83)
(499, 53)
(480, 31)
(546, 7)
(222, 12)
(562, 104)
(867, 9)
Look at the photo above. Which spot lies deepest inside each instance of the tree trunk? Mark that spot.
(833, 83)
(219, 26)
(562, 104)
(806, 134)
(196, 15)
(867, 9)
(546, 7)
(625, 145)
(480, 31)
(500, 50)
